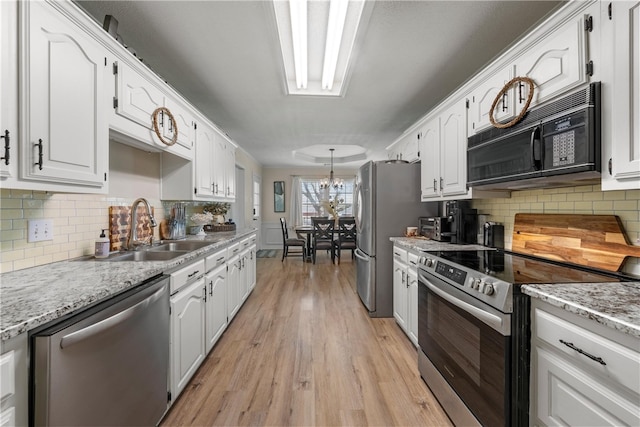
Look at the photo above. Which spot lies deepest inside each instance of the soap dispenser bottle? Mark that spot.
(102, 246)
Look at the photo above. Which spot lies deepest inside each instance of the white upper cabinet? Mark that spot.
(408, 147)
(136, 97)
(230, 171)
(444, 145)
(8, 91)
(482, 97)
(63, 120)
(621, 115)
(556, 63)
(183, 123)
(204, 173)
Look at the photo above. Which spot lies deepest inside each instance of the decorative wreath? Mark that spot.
(502, 92)
(174, 124)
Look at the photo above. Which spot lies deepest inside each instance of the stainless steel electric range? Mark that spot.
(474, 330)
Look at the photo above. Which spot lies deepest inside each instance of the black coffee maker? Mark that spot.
(463, 220)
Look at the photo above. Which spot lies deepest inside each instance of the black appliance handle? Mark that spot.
(535, 137)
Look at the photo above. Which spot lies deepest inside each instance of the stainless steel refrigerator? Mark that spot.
(387, 201)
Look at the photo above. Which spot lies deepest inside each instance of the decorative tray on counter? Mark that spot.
(219, 227)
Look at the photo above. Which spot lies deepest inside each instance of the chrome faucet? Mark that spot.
(133, 242)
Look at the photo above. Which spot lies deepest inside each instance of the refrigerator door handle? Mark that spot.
(361, 255)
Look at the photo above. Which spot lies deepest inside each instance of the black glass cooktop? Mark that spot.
(521, 269)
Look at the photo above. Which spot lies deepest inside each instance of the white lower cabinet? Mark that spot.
(233, 286)
(14, 369)
(582, 373)
(187, 326)
(216, 305)
(405, 291)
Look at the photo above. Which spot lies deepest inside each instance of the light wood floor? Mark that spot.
(302, 351)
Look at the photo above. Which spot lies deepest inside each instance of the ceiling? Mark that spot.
(224, 57)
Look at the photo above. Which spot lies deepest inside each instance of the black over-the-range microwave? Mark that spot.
(556, 143)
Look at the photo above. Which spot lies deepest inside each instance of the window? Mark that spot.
(312, 198)
(256, 196)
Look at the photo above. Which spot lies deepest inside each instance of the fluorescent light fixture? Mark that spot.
(335, 28)
(298, 11)
(317, 38)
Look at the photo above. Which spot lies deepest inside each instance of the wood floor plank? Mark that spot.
(304, 352)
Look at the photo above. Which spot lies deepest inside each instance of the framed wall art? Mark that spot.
(278, 196)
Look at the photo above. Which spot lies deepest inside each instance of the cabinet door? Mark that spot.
(8, 91)
(187, 334)
(64, 134)
(230, 172)
(218, 166)
(244, 276)
(251, 268)
(205, 141)
(412, 302)
(453, 143)
(216, 311)
(233, 287)
(137, 97)
(556, 63)
(483, 96)
(626, 95)
(185, 141)
(400, 293)
(430, 164)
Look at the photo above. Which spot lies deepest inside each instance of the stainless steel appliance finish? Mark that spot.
(473, 330)
(555, 143)
(387, 201)
(107, 365)
(435, 228)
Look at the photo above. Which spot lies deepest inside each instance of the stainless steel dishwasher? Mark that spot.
(107, 365)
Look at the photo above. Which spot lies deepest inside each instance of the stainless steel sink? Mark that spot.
(146, 256)
(180, 246)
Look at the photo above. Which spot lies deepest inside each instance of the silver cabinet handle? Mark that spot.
(110, 322)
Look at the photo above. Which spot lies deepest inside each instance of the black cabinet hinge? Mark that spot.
(168, 396)
(590, 68)
(418, 154)
(115, 68)
(115, 102)
(588, 23)
(467, 103)
(195, 126)
(610, 166)
(610, 12)
(105, 177)
(105, 61)
(195, 190)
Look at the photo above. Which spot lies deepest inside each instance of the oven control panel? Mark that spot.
(451, 273)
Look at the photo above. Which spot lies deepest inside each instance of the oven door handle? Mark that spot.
(490, 319)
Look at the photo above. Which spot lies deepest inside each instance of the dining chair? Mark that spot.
(322, 236)
(291, 242)
(346, 237)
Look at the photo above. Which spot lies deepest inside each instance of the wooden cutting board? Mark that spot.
(596, 241)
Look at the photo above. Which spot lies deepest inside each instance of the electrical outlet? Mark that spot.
(40, 230)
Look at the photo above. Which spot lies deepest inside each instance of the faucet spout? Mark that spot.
(133, 242)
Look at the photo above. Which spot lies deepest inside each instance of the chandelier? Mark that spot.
(327, 183)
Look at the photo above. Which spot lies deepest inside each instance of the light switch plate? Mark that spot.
(40, 230)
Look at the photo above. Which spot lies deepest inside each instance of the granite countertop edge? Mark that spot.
(32, 297)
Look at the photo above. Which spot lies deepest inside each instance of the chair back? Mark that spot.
(347, 229)
(323, 229)
(285, 233)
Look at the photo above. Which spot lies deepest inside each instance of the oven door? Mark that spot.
(469, 344)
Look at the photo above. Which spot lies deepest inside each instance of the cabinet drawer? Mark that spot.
(7, 378)
(412, 259)
(187, 274)
(622, 364)
(216, 259)
(571, 396)
(233, 249)
(400, 254)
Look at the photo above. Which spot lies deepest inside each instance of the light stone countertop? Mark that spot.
(34, 296)
(616, 305)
